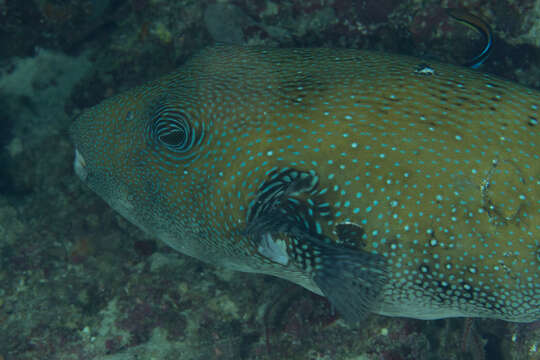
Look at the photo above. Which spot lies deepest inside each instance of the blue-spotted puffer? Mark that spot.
(384, 183)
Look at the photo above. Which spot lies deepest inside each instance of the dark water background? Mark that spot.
(79, 282)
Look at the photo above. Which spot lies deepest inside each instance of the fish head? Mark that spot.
(147, 153)
(187, 156)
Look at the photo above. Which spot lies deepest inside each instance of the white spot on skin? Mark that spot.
(273, 250)
(425, 70)
(80, 166)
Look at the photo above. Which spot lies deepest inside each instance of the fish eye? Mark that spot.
(175, 130)
(172, 128)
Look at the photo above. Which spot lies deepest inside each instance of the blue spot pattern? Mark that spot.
(440, 171)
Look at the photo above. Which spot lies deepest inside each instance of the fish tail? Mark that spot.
(352, 280)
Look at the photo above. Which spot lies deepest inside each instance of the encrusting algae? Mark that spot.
(387, 184)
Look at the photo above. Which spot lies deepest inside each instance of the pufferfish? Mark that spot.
(386, 184)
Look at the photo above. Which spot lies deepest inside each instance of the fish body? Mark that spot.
(387, 184)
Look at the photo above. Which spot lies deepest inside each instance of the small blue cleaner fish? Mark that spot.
(482, 27)
(386, 184)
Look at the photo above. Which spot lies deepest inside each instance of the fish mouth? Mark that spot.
(79, 164)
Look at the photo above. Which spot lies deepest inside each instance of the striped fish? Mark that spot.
(387, 184)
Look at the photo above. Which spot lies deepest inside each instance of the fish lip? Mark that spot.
(79, 164)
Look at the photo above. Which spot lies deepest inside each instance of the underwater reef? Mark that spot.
(78, 281)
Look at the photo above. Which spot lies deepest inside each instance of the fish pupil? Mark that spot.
(173, 137)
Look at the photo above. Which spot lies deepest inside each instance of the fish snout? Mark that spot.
(79, 164)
